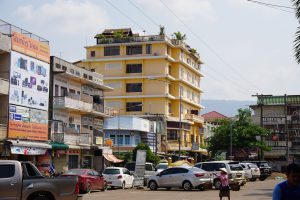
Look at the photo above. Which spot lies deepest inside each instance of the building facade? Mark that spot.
(126, 132)
(152, 76)
(77, 116)
(281, 115)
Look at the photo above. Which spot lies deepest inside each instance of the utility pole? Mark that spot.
(231, 141)
(286, 129)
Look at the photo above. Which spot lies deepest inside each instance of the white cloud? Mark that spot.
(64, 16)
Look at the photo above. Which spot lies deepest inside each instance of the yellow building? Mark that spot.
(148, 73)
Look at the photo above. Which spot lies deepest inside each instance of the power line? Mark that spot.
(143, 13)
(107, 1)
(207, 46)
(274, 6)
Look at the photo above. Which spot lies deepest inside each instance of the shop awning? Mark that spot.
(22, 143)
(112, 158)
(59, 146)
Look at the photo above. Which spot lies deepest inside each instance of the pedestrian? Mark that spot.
(289, 189)
(224, 188)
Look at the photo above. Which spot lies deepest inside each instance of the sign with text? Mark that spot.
(139, 168)
(30, 47)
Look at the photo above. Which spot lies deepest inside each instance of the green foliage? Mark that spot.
(193, 51)
(126, 156)
(150, 157)
(243, 134)
(118, 34)
(296, 4)
(179, 36)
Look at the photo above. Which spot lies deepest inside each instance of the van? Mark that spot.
(235, 171)
(149, 169)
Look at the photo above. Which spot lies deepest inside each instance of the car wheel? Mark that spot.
(201, 187)
(104, 187)
(88, 188)
(153, 185)
(40, 198)
(217, 184)
(252, 179)
(187, 186)
(262, 178)
(123, 185)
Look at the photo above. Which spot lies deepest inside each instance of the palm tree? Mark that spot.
(179, 36)
(297, 34)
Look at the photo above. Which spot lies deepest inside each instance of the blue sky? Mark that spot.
(246, 47)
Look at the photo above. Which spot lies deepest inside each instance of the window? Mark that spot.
(134, 87)
(168, 50)
(72, 71)
(170, 107)
(120, 140)
(148, 48)
(133, 50)
(7, 171)
(56, 90)
(64, 68)
(93, 53)
(169, 69)
(133, 106)
(63, 91)
(127, 139)
(134, 68)
(137, 139)
(172, 135)
(93, 70)
(113, 138)
(58, 66)
(180, 170)
(112, 51)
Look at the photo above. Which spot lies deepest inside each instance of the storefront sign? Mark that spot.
(75, 151)
(30, 47)
(27, 150)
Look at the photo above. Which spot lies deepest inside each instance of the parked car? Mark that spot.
(23, 181)
(236, 173)
(161, 166)
(149, 170)
(252, 172)
(180, 177)
(118, 177)
(89, 179)
(265, 169)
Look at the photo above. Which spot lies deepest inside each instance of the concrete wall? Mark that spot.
(5, 43)
(4, 65)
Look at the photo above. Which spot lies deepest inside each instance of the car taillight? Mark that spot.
(199, 175)
(120, 176)
(77, 188)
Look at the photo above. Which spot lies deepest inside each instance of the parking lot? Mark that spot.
(259, 190)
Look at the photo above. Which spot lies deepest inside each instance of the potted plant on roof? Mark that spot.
(118, 35)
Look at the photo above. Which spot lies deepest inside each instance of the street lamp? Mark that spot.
(180, 111)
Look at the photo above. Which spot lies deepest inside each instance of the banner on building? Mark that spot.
(30, 47)
(139, 168)
(29, 82)
(27, 123)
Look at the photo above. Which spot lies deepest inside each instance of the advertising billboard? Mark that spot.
(30, 47)
(27, 123)
(29, 82)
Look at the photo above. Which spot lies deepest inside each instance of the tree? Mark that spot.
(297, 34)
(244, 134)
(150, 157)
(179, 36)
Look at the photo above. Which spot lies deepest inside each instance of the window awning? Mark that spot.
(59, 146)
(112, 158)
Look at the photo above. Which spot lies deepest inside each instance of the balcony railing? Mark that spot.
(147, 38)
(4, 86)
(58, 137)
(195, 118)
(86, 131)
(73, 104)
(85, 139)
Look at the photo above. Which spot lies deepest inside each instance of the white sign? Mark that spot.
(139, 168)
(27, 150)
(29, 82)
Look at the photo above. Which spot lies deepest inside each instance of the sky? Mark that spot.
(246, 48)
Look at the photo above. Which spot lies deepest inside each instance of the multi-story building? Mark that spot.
(131, 131)
(77, 115)
(152, 76)
(24, 94)
(281, 115)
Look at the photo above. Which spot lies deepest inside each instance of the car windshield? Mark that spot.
(130, 166)
(75, 172)
(235, 167)
(253, 166)
(162, 166)
(264, 164)
(111, 171)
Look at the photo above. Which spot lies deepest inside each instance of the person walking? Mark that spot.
(224, 188)
(289, 189)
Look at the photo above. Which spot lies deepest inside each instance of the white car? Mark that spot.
(180, 177)
(118, 177)
(161, 166)
(252, 171)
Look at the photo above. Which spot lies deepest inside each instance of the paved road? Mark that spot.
(259, 190)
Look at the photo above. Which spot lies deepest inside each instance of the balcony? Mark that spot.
(174, 146)
(58, 137)
(137, 39)
(4, 86)
(85, 139)
(194, 118)
(86, 131)
(79, 74)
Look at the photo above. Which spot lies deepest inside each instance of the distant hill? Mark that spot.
(226, 107)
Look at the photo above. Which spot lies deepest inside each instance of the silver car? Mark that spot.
(180, 177)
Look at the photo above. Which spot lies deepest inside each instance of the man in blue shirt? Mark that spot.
(289, 189)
